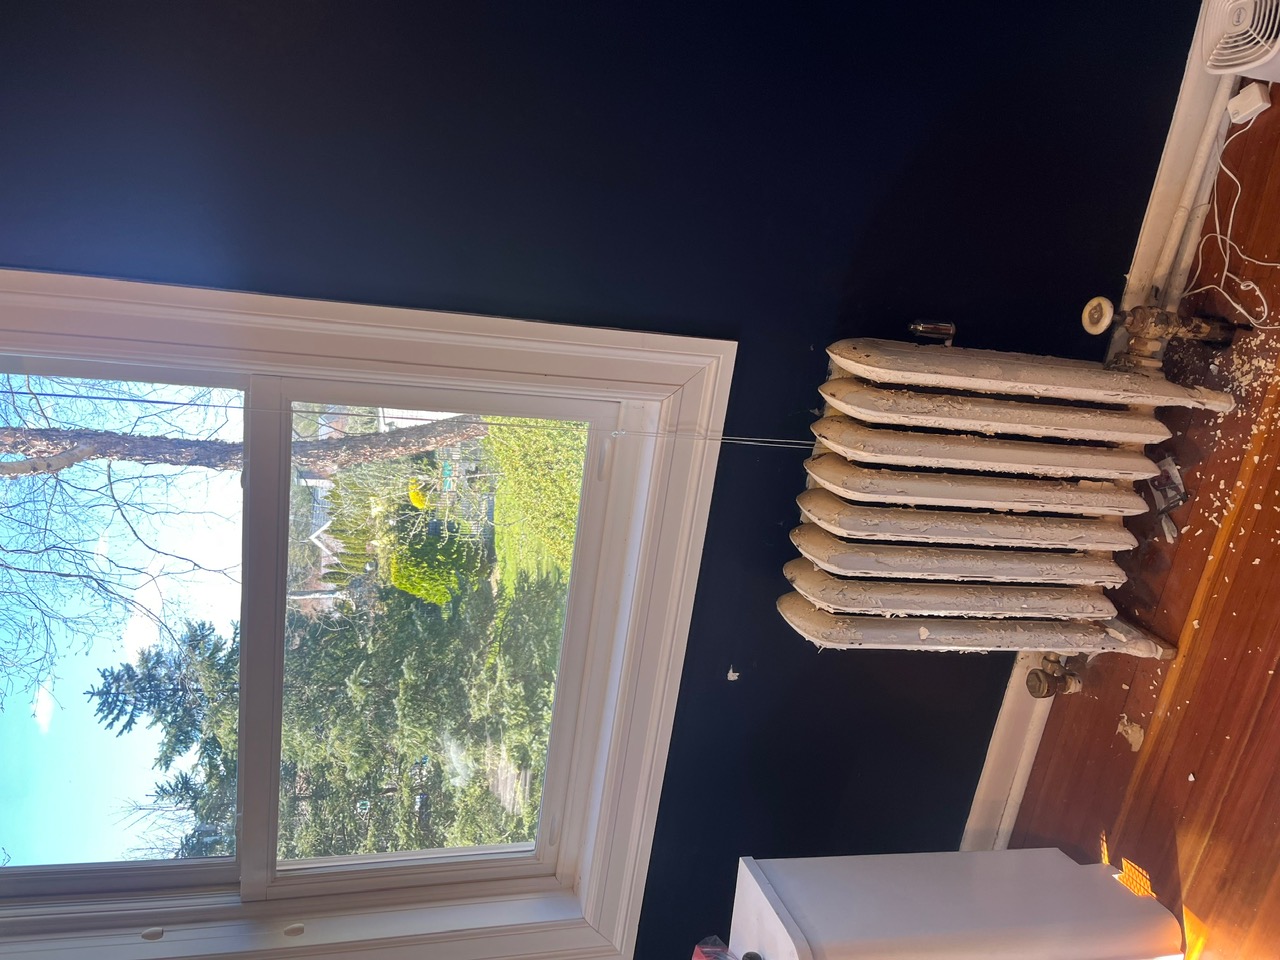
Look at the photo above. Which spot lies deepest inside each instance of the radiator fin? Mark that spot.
(963, 635)
(975, 414)
(961, 451)
(985, 564)
(997, 601)
(837, 519)
(912, 488)
(1019, 374)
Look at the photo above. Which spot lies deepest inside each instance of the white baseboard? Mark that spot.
(1188, 151)
(1010, 755)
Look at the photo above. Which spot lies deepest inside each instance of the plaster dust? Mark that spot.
(993, 371)
(1132, 732)
(1248, 372)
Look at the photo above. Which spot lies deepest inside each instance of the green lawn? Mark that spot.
(540, 466)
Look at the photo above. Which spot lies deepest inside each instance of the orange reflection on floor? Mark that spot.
(1194, 934)
(1135, 878)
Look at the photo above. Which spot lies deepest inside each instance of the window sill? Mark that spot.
(534, 924)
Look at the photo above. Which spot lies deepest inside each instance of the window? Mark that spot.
(430, 697)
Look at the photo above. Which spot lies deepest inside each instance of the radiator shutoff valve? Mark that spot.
(1051, 678)
(1150, 331)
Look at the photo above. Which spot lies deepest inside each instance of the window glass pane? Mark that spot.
(428, 573)
(120, 513)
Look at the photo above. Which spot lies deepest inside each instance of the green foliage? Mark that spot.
(539, 464)
(433, 584)
(431, 699)
(481, 818)
(402, 728)
(513, 692)
(400, 706)
(355, 503)
(206, 802)
(190, 690)
(325, 810)
(436, 568)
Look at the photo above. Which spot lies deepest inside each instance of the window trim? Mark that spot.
(673, 393)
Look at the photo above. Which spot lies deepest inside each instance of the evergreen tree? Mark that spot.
(190, 690)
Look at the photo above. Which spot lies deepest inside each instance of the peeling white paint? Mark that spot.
(1066, 637)
(863, 444)
(977, 414)
(906, 488)
(1132, 732)
(987, 565)
(993, 371)
(862, 522)
(891, 598)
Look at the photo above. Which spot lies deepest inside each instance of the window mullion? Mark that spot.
(266, 473)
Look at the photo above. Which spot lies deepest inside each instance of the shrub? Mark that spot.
(436, 569)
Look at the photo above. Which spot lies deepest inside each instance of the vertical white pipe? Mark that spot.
(1176, 281)
(1208, 138)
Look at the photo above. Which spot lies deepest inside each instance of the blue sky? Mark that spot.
(65, 781)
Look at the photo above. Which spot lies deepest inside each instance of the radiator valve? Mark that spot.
(1150, 329)
(1051, 678)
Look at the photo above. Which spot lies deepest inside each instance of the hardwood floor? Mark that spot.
(1197, 803)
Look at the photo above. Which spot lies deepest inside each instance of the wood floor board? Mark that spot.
(1198, 806)
(1230, 878)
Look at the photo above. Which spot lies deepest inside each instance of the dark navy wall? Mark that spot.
(782, 175)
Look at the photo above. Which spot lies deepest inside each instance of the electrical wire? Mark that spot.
(1226, 246)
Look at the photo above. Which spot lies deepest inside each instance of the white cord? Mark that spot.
(1226, 246)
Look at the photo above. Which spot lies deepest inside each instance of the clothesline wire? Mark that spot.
(529, 423)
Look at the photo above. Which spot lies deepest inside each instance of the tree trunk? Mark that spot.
(50, 450)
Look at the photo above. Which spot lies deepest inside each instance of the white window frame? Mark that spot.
(641, 534)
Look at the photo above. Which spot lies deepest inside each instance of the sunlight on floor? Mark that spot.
(1138, 881)
(1194, 934)
(1135, 878)
(1131, 875)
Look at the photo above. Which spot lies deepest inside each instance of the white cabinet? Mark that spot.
(989, 905)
